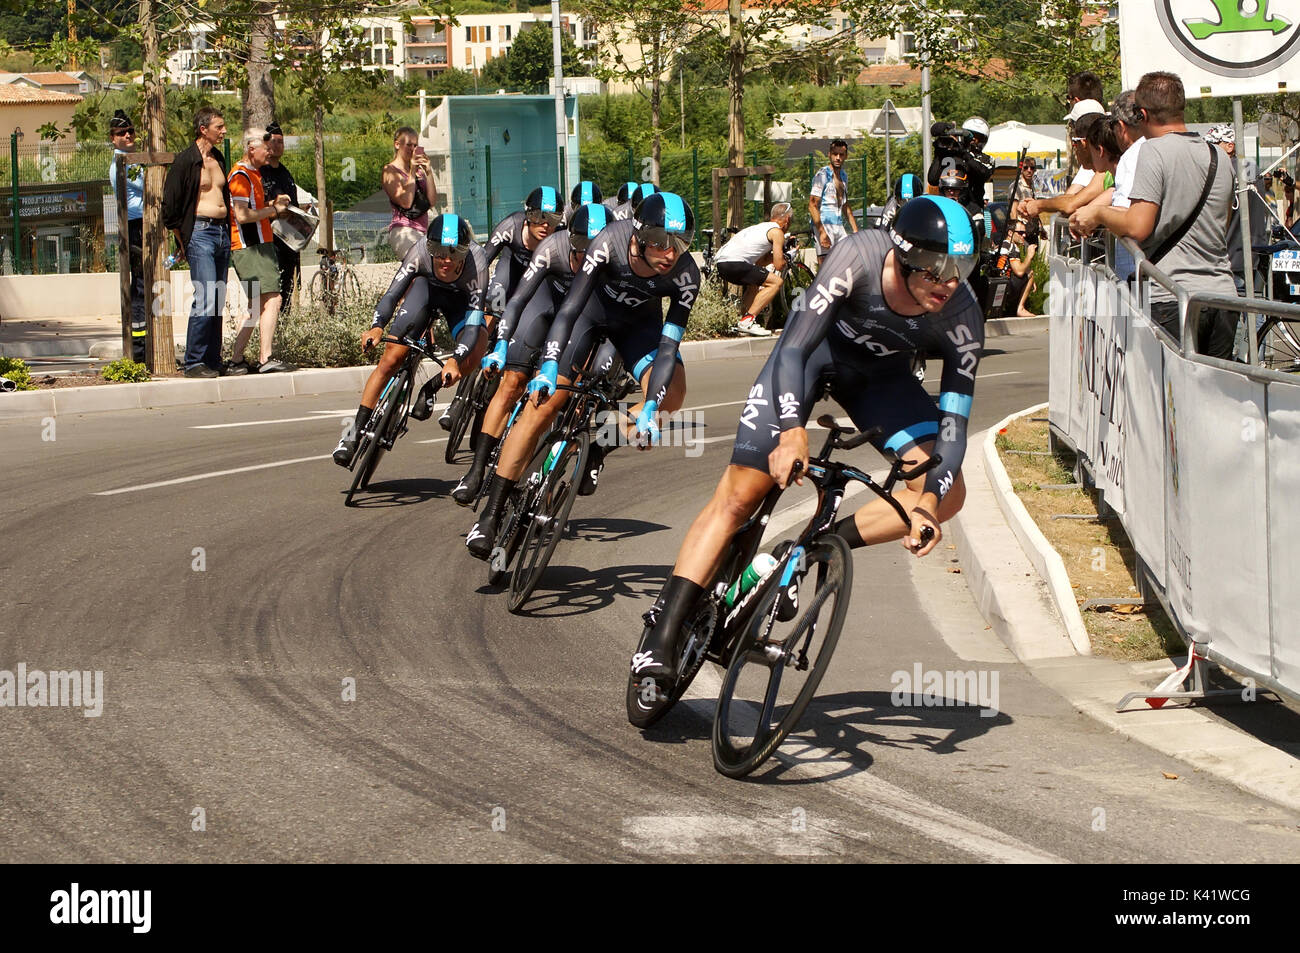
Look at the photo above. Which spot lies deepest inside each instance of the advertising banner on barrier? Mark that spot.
(1284, 530)
(1083, 420)
(1144, 452)
(1217, 47)
(1102, 335)
(1060, 341)
(1218, 540)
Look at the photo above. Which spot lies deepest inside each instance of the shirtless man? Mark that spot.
(196, 208)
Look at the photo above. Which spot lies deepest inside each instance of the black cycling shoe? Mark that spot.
(466, 491)
(422, 406)
(452, 413)
(595, 463)
(345, 451)
(479, 540)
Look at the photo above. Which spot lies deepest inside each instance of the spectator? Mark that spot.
(121, 132)
(277, 180)
(196, 208)
(828, 201)
(755, 259)
(1020, 264)
(1083, 86)
(1022, 189)
(1084, 188)
(408, 180)
(1225, 137)
(1126, 121)
(253, 252)
(1180, 200)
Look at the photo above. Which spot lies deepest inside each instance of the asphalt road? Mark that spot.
(227, 613)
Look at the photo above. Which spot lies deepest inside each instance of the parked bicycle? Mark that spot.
(775, 638)
(335, 283)
(794, 283)
(388, 421)
(1279, 338)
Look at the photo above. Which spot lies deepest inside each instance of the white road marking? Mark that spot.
(978, 377)
(718, 834)
(209, 476)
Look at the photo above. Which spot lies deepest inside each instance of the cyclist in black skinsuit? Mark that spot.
(584, 193)
(906, 188)
(630, 267)
(448, 273)
(519, 233)
(524, 326)
(877, 298)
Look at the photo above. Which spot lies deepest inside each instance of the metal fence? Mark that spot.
(1197, 457)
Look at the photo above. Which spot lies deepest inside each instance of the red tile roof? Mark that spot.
(19, 94)
(52, 79)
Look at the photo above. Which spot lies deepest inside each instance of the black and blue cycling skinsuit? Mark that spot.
(844, 335)
(536, 298)
(629, 312)
(460, 301)
(508, 234)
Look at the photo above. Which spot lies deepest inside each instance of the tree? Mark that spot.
(528, 66)
(646, 37)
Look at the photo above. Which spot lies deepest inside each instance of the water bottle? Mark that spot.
(556, 449)
(754, 573)
(170, 261)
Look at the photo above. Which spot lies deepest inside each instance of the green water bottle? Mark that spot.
(754, 573)
(556, 449)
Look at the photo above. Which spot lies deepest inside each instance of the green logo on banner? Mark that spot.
(1233, 38)
(1233, 18)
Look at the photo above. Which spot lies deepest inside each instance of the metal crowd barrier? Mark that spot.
(1199, 458)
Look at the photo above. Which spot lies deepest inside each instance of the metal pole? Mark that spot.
(487, 178)
(681, 89)
(753, 160)
(889, 173)
(695, 184)
(561, 126)
(13, 209)
(925, 121)
(564, 185)
(1243, 200)
(631, 167)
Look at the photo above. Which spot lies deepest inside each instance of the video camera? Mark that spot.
(950, 137)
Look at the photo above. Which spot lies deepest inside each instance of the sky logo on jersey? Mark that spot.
(752, 405)
(836, 287)
(968, 348)
(451, 229)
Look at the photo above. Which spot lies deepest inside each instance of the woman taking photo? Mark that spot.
(408, 180)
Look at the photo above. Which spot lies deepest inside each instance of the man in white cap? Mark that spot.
(1084, 107)
(1224, 136)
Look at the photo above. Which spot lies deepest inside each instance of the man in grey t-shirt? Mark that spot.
(1172, 170)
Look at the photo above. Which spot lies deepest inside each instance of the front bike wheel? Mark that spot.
(554, 499)
(645, 705)
(777, 666)
(1279, 343)
(371, 444)
(460, 426)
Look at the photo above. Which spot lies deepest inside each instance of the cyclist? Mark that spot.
(584, 193)
(630, 267)
(523, 328)
(877, 298)
(755, 259)
(519, 233)
(906, 188)
(630, 197)
(446, 272)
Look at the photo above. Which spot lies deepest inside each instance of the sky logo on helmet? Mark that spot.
(596, 220)
(549, 202)
(451, 229)
(960, 248)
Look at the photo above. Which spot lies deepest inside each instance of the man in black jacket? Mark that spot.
(196, 208)
(278, 180)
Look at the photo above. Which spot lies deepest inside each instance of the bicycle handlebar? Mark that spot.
(413, 345)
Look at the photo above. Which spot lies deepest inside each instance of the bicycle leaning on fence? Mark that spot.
(772, 631)
(335, 283)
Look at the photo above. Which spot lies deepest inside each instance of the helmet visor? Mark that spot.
(663, 239)
(454, 252)
(535, 216)
(939, 267)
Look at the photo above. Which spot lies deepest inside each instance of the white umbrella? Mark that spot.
(1009, 138)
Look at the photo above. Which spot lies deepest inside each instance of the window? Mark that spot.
(506, 35)
(487, 34)
(478, 34)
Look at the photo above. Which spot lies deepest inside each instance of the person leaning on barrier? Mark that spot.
(1181, 196)
(1092, 185)
(755, 259)
(121, 131)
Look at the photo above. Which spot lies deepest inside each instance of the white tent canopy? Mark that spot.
(841, 123)
(1008, 138)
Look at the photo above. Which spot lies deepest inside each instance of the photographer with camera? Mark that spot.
(962, 148)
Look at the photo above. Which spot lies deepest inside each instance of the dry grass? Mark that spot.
(1097, 554)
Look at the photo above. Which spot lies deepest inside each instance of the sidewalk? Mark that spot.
(1019, 605)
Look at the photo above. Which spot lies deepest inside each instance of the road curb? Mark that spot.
(1019, 605)
(1000, 327)
(178, 392)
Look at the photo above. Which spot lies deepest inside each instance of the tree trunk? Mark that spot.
(655, 93)
(326, 235)
(259, 93)
(161, 353)
(736, 115)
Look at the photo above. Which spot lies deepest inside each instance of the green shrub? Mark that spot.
(311, 337)
(1037, 300)
(712, 316)
(16, 371)
(125, 370)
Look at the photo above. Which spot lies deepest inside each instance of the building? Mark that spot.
(26, 108)
(56, 82)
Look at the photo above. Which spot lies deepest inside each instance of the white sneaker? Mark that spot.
(752, 327)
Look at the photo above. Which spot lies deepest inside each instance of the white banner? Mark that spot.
(1145, 453)
(1284, 529)
(1217, 47)
(1060, 339)
(1102, 336)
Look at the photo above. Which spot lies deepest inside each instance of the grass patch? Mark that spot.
(1098, 555)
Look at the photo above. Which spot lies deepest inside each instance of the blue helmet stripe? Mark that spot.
(451, 229)
(648, 188)
(631, 187)
(596, 219)
(961, 239)
(549, 203)
(674, 212)
(909, 189)
(587, 195)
